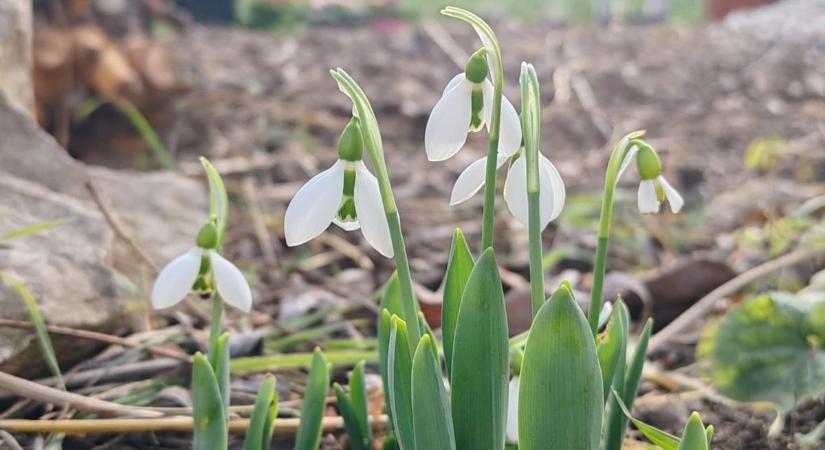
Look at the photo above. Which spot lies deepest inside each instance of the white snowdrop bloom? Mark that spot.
(198, 269)
(511, 430)
(346, 194)
(467, 105)
(653, 188)
(551, 193)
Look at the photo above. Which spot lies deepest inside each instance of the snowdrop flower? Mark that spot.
(198, 270)
(346, 194)
(511, 430)
(467, 105)
(654, 188)
(551, 194)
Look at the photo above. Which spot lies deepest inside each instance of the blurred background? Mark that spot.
(731, 93)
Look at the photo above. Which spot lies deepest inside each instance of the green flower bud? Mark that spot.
(476, 68)
(207, 236)
(647, 161)
(351, 145)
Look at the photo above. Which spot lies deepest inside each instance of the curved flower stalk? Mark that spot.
(493, 57)
(653, 189)
(467, 106)
(371, 136)
(201, 269)
(346, 194)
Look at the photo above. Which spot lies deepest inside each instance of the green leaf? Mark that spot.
(767, 349)
(561, 391)
(259, 433)
(144, 128)
(399, 364)
(384, 326)
(218, 199)
(209, 417)
(656, 436)
(357, 440)
(358, 394)
(459, 267)
(391, 296)
(40, 330)
(314, 404)
(219, 360)
(694, 437)
(298, 360)
(431, 408)
(634, 373)
(616, 422)
(32, 229)
(611, 347)
(480, 369)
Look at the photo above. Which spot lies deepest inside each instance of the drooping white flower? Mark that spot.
(346, 194)
(200, 268)
(511, 430)
(653, 188)
(467, 105)
(551, 193)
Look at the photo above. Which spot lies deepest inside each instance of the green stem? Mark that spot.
(215, 323)
(372, 140)
(404, 278)
(617, 156)
(531, 127)
(488, 38)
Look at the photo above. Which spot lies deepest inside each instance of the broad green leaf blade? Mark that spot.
(36, 319)
(219, 360)
(312, 408)
(459, 267)
(391, 296)
(431, 408)
(694, 436)
(358, 394)
(616, 421)
(709, 434)
(480, 369)
(357, 440)
(218, 198)
(560, 397)
(610, 348)
(258, 433)
(656, 436)
(761, 351)
(399, 364)
(32, 229)
(209, 418)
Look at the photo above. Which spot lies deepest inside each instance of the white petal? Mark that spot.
(370, 211)
(176, 279)
(515, 190)
(672, 195)
(449, 122)
(230, 282)
(472, 179)
(648, 201)
(349, 225)
(627, 160)
(512, 411)
(552, 191)
(314, 205)
(510, 128)
(453, 83)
